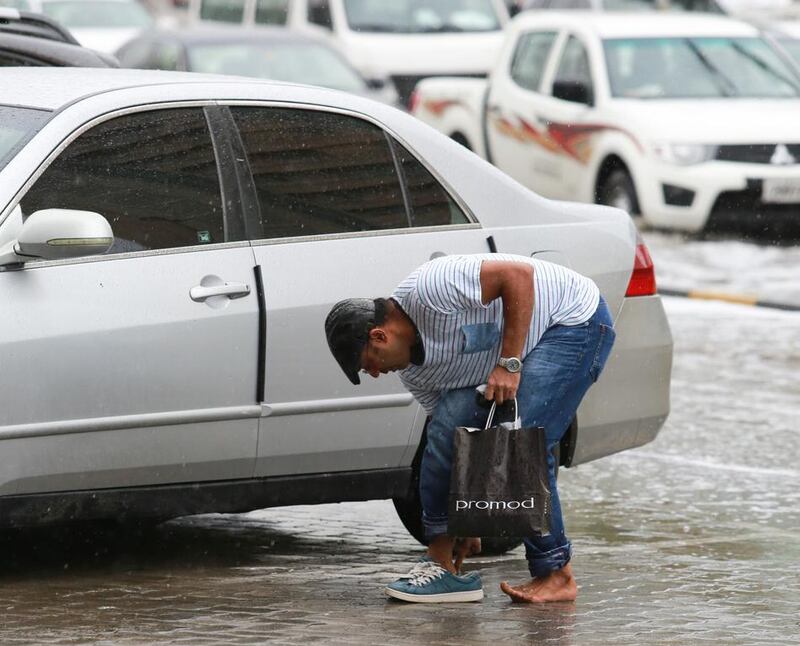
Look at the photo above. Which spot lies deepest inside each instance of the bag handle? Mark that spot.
(515, 425)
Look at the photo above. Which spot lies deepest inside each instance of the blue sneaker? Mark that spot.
(429, 582)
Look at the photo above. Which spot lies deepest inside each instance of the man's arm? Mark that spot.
(513, 283)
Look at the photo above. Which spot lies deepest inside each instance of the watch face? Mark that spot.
(513, 364)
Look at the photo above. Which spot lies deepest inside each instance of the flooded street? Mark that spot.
(692, 539)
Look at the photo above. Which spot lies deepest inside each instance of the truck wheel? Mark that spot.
(409, 510)
(618, 190)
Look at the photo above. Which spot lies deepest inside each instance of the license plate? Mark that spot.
(781, 191)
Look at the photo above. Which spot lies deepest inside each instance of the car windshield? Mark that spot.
(670, 5)
(792, 47)
(76, 14)
(17, 126)
(421, 16)
(666, 68)
(307, 63)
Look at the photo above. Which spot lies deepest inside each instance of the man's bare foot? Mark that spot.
(559, 585)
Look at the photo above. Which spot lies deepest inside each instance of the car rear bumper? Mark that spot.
(629, 403)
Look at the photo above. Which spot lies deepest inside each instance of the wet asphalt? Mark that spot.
(692, 539)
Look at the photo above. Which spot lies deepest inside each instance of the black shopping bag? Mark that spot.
(498, 483)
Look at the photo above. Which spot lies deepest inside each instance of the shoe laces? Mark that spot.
(424, 572)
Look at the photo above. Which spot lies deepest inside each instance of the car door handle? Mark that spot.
(232, 290)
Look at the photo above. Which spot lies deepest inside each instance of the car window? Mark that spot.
(320, 173)
(429, 202)
(222, 10)
(413, 16)
(17, 127)
(293, 61)
(272, 12)
(573, 67)
(165, 56)
(319, 13)
(530, 57)
(153, 175)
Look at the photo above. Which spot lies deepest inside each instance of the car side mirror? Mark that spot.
(58, 234)
(574, 91)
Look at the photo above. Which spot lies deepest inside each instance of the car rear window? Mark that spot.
(17, 126)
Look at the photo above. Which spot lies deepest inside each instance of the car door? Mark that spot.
(517, 135)
(567, 110)
(336, 221)
(137, 367)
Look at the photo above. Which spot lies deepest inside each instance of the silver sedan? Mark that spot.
(169, 246)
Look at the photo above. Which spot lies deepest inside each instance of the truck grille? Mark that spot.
(754, 153)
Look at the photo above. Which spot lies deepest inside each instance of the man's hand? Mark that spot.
(502, 385)
(463, 548)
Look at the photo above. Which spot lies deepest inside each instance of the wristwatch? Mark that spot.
(512, 364)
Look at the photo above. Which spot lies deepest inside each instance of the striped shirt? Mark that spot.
(461, 336)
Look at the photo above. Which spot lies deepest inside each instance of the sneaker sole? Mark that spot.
(445, 597)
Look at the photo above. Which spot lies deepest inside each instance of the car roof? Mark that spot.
(637, 24)
(48, 52)
(25, 23)
(233, 33)
(51, 88)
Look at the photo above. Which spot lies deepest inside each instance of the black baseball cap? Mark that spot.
(347, 328)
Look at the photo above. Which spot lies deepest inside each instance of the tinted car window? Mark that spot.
(222, 10)
(318, 172)
(319, 13)
(530, 57)
(429, 203)
(272, 12)
(153, 175)
(574, 64)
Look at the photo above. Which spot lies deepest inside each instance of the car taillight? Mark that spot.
(413, 101)
(643, 278)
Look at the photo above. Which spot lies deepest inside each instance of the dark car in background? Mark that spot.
(262, 52)
(29, 39)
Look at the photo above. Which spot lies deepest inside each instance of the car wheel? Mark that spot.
(409, 509)
(618, 191)
(461, 139)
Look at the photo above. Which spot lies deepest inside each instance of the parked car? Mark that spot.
(31, 39)
(687, 120)
(405, 39)
(170, 245)
(262, 52)
(103, 25)
(711, 6)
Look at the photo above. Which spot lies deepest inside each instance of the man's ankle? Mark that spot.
(440, 550)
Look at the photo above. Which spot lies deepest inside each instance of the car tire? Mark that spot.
(461, 139)
(619, 191)
(409, 509)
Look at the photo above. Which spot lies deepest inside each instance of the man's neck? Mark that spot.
(408, 332)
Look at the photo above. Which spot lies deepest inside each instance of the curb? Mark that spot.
(728, 298)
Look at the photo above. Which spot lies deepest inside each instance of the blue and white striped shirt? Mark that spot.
(462, 337)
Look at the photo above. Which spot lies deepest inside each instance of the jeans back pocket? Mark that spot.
(479, 337)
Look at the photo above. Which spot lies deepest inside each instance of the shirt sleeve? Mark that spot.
(451, 284)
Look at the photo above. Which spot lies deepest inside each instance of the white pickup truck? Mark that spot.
(689, 120)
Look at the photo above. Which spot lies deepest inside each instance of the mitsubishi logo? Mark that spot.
(782, 156)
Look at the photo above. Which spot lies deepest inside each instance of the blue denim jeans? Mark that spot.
(555, 376)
